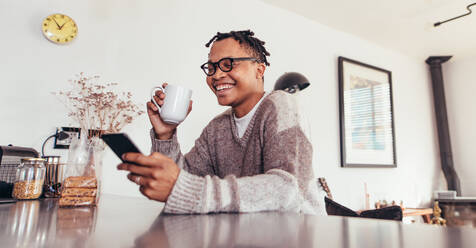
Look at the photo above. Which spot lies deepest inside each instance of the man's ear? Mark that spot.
(260, 70)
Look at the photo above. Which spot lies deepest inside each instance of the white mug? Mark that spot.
(176, 102)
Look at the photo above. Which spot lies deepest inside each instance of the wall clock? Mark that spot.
(59, 28)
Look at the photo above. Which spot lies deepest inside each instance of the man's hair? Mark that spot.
(246, 39)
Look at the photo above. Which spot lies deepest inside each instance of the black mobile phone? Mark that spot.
(119, 143)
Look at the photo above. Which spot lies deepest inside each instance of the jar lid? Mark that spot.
(33, 160)
(52, 159)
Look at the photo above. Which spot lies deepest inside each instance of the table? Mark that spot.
(136, 222)
(425, 213)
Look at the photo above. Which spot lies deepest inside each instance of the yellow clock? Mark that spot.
(59, 28)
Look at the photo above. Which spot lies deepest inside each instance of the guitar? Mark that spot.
(323, 183)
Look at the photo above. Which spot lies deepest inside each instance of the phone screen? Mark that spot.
(119, 144)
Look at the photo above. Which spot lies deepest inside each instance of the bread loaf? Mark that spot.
(79, 192)
(80, 182)
(76, 201)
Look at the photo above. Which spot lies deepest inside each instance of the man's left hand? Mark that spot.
(156, 174)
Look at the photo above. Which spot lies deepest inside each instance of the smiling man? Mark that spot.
(253, 157)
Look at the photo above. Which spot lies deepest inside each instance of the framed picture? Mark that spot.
(366, 115)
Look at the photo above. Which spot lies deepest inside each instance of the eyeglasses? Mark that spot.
(225, 65)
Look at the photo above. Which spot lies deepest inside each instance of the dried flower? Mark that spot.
(96, 107)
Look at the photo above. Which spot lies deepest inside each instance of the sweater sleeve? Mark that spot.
(198, 164)
(286, 185)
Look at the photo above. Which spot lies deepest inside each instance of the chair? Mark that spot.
(334, 208)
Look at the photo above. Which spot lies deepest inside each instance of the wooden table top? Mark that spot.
(417, 211)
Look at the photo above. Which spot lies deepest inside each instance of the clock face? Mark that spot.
(59, 28)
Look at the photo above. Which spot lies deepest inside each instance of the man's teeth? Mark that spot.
(224, 86)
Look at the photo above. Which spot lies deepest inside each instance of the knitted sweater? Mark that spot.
(269, 168)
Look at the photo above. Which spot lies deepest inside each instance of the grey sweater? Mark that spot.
(269, 168)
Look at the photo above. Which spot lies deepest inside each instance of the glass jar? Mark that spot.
(53, 176)
(29, 179)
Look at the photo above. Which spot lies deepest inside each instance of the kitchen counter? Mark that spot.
(137, 222)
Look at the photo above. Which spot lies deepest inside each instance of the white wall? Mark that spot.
(142, 43)
(460, 87)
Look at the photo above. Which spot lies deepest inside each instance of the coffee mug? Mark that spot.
(176, 102)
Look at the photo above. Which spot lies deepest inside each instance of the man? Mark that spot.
(253, 157)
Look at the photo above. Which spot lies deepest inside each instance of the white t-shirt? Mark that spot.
(242, 123)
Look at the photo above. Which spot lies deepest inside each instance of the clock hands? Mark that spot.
(57, 24)
(63, 25)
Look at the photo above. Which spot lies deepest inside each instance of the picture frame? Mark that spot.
(367, 131)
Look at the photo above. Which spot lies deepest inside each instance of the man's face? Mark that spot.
(243, 82)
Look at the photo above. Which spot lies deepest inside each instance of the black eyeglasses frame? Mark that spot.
(232, 60)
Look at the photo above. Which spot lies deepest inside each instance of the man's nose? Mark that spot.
(218, 74)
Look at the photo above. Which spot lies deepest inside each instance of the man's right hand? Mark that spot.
(163, 131)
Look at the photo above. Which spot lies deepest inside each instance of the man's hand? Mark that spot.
(163, 131)
(156, 174)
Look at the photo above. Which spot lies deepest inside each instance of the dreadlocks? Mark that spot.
(245, 38)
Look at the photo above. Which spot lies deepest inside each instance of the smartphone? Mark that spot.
(119, 143)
